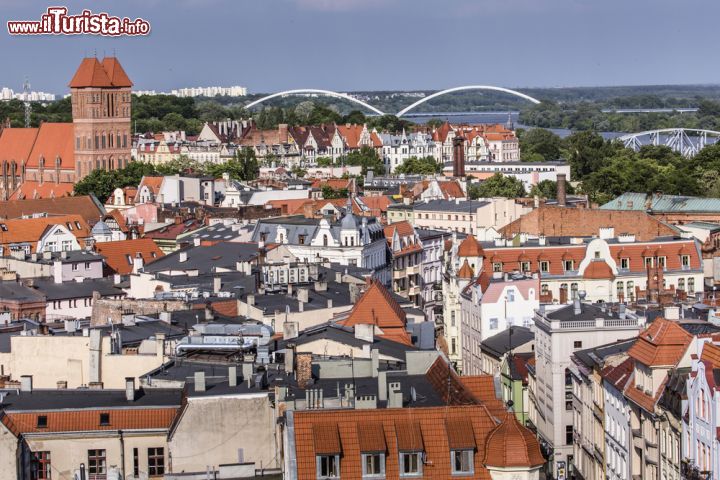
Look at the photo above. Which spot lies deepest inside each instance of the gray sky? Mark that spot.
(271, 45)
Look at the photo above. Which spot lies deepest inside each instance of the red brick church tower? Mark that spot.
(101, 103)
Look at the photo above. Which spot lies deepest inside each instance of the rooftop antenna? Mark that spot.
(26, 97)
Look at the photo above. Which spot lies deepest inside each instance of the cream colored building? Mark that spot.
(81, 360)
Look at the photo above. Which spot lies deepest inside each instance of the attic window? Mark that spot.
(129, 259)
(77, 224)
(104, 419)
(42, 421)
(3, 227)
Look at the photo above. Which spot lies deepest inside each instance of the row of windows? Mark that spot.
(410, 463)
(102, 141)
(97, 463)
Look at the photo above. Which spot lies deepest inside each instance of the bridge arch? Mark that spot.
(301, 91)
(467, 87)
(687, 141)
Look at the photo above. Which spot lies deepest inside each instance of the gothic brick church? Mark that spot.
(45, 162)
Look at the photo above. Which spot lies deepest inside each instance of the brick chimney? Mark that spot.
(303, 364)
(459, 156)
(561, 190)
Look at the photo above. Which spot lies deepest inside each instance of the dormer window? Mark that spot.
(569, 265)
(104, 419)
(685, 261)
(373, 465)
(462, 462)
(42, 421)
(625, 263)
(328, 466)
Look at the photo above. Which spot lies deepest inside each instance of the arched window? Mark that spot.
(681, 284)
(544, 289)
(631, 290)
(691, 285)
(573, 291)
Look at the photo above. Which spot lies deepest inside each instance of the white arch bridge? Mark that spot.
(686, 141)
(345, 96)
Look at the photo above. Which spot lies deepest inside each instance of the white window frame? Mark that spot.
(335, 459)
(470, 457)
(419, 456)
(364, 457)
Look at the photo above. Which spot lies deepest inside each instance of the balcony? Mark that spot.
(414, 290)
(414, 270)
(399, 273)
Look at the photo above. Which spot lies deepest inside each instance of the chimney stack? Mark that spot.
(26, 383)
(138, 262)
(199, 381)
(561, 190)
(130, 389)
(303, 364)
(459, 156)
(232, 376)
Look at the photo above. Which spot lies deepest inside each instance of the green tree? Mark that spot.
(102, 183)
(367, 158)
(548, 189)
(586, 152)
(324, 161)
(498, 186)
(419, 166)
(330, 193)
(539, 144)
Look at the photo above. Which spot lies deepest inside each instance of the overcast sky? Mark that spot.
(271, 45)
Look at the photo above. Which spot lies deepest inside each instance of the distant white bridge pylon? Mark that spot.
(686, 141)
(310, 91)
(467, 87)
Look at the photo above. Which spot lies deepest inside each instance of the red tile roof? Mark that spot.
(663, 343)
(35, 190)
(116, 253)
(482, 387)
(470, 247)
(377, 307)
(31, 230)
(54, 140)
(598, 270)
(85, 206)
(451, 190)
(92, 73)
(434, 430)
(465, 271)
(89, 420)
(117, 74)
(512, 445)
(618, 375)
(711, 354)
(580, 222)
(16, 144)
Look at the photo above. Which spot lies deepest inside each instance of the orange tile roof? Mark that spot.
(89, 420)
(711, 354)
(16, 144)
(482, 387)
(511, 445)
(35, 190)
(118, 217)
(116, 253)
(465, 271)
(645, 401)
(84, 206)
(598, 270)
(115, 71)
(31, 230)
(663, 343)
(470, 247)
(54, 140)
(92, 73)
(433, 423)
(377, 205)
(618, 375)
(409, 436)
(582, 222)
(326, 439)
(371, 437)
(152, 182)
(451, 190)
(449, 385)
(377, 307)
